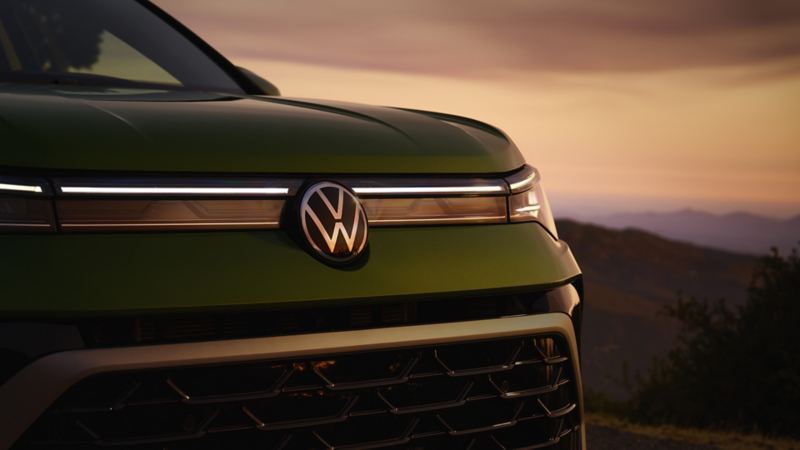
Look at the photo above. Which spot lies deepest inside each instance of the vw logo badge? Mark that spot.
(334, 222)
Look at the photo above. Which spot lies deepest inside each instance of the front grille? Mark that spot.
(186, 327)
(515, 393)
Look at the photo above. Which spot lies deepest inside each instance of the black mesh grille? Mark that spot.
(517, 393)
(186, 327)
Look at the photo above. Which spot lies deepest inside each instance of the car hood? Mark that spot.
(66, 128)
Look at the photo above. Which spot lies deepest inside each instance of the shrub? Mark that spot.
(736, 368)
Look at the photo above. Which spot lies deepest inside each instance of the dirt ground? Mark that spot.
(603, 438)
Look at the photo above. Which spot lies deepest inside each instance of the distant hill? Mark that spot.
(629, 276)
(742, 232)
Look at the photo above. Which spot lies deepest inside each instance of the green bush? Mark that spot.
(734, 368)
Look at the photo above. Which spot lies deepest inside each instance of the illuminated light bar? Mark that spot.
(21, 188)
(173, 225)
(132, 190)
(440, 220)
(158, 204)
(417, 190)
(523, 184)
(529, 209)
(523, 180)
(279, 187)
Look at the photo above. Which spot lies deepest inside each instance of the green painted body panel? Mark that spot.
(45, 130)
(85, 274)
(53, 129)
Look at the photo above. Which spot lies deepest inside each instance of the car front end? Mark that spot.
(196, 268)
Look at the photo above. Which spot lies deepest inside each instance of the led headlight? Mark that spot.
(152, 204)
(432, 201)
(528, 202)
(163, 214)
(435, 211)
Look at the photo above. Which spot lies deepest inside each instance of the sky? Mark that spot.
(623, 105)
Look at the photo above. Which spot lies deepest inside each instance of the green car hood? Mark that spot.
(66, 128)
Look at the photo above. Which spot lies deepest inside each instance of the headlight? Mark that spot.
(158, 204)
(435, 211)
(528, 202)
(162, 214)
(435, 201)
(152, 204)
(25, 205)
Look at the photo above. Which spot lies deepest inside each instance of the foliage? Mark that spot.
(733, 368)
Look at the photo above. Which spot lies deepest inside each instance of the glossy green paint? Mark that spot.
(47, 275)
(46, 130)
(56, 129)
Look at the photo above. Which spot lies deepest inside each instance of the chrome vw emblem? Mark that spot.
(333, 222)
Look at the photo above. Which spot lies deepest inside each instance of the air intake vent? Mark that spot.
(160, 329)
(501, 394)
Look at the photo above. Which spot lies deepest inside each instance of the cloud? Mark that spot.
(474, 38)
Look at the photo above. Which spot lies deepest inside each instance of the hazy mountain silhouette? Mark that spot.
(629, 276)
(741, 232)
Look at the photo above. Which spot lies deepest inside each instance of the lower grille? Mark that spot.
(187, 327)
(517, 393)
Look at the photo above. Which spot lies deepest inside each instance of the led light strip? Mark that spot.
(283, 191)
(21, 188)
(131, 190)
(429, 190)
(436, 220)
(167, 224)
(524, 183)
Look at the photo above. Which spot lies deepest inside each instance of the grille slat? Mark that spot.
(191, 327)
(514, 393)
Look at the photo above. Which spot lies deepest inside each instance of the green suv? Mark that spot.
(189, 260)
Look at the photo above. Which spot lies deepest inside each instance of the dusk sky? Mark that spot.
(624, 105)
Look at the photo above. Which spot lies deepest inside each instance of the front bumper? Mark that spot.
(32, 391)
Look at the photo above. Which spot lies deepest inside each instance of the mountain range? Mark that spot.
(740, 232)
(629, 277)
